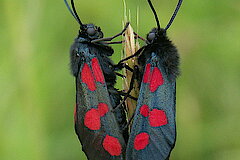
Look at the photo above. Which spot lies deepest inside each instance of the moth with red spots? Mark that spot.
(99, 130)
(153, 132)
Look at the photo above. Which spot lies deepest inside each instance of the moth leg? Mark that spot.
(118, 42)
(128, 124)
(134, 55)
(120, 75)
(129, 96)
(128, 68)
(120, 66)
(137, 36)
(131, 86)
(111, 38)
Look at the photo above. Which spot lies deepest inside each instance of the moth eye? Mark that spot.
(151, 36)
(91, 31)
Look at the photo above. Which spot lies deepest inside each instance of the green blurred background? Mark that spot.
(37, 90)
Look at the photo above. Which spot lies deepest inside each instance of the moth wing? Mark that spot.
(95, 124)
(110, 76)
(153, 132)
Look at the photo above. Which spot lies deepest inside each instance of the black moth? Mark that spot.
(153, 132)
(99, 130)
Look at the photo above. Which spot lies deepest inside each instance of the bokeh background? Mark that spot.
(38, 94)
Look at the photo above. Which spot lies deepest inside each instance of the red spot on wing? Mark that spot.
(141, 141)
(87, 77)
(112, 145)
(147, 73)
(102, 109)
(144, 110)
(97, 71)
(75, 113)
(92, 119)
(157, 118)
(156, 79)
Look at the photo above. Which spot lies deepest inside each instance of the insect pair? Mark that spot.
(103, 133)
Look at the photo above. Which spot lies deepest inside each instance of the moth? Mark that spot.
(153, 132)
(99, 130)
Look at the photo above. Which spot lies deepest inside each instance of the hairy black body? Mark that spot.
(165, 50)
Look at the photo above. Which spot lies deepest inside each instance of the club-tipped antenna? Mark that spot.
(155, 14)
(174, 14)
(73, 12)
(70, 10)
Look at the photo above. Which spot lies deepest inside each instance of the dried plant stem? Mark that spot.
(130, 47)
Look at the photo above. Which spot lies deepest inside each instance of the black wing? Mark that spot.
(153, 132)
(95, 124)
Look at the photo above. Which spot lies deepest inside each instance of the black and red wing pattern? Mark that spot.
(95, 123)
(153, 132)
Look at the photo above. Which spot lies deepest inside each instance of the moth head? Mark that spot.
(154, 34)
(160, 32)
(91, 31)
(86, 30)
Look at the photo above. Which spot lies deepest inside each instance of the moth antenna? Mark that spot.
(174, 14)
(155, 14)
(70, 10)
(73, 12)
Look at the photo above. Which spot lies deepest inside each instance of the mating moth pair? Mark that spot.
(100, 117)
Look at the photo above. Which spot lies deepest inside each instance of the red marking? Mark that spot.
(112, 145)
(102, 109)
(87, 77)
(97, 71)
(75, 113)
(157, 118)
(92, 119)
(144, 110)
(141, 141)
(156, 79)
(147, 73)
